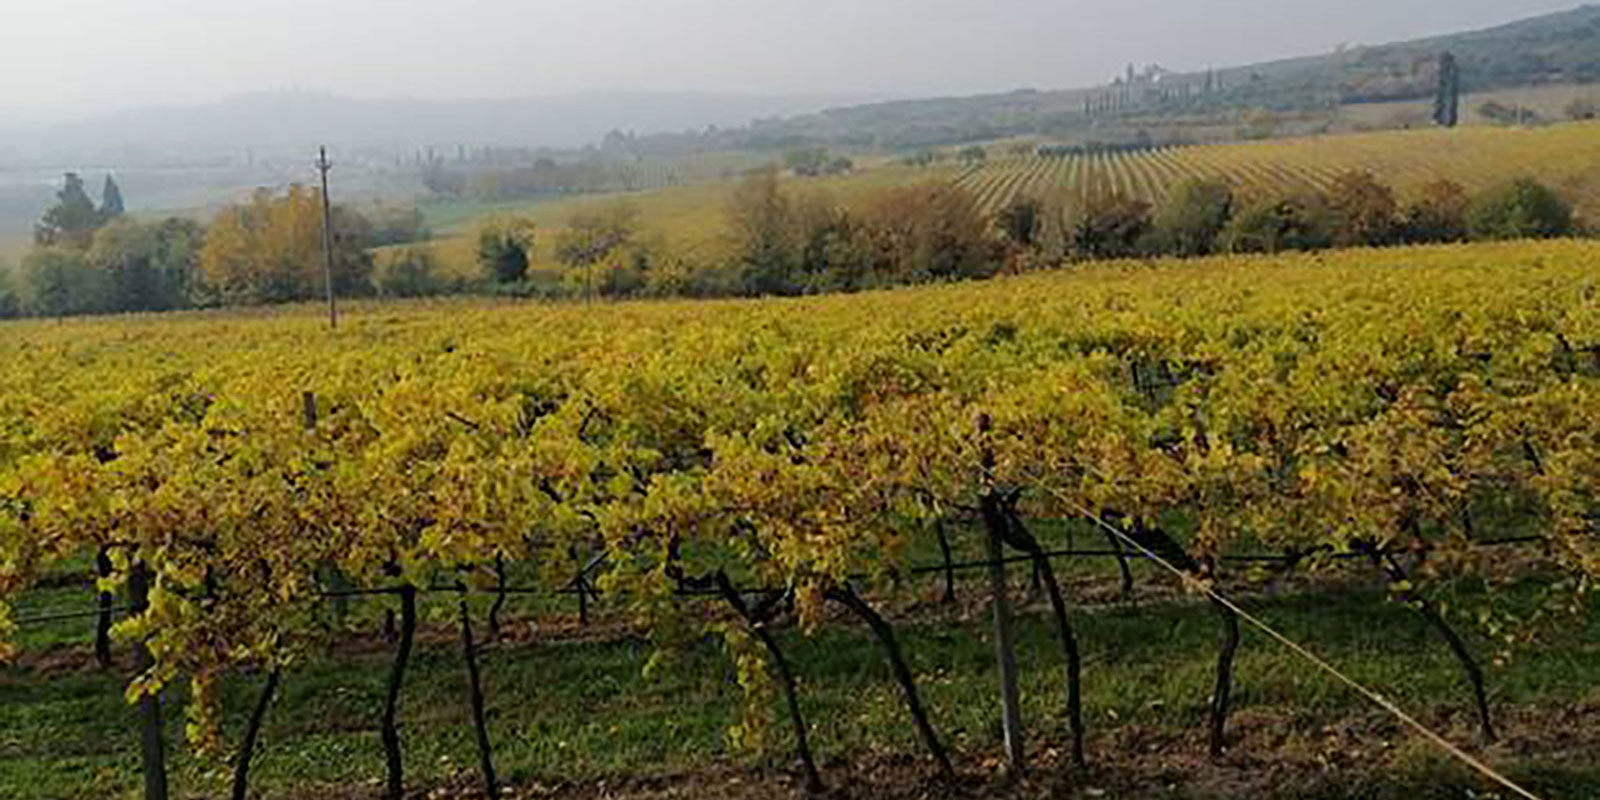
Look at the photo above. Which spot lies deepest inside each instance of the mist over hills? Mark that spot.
(195, 157)
(1562, 47)
(268, 123)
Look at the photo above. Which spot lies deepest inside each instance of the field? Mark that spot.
(690, 220)
(1336, 440)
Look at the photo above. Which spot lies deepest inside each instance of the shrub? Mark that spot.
(1583, 109)
(505, 248)
(1106, 226)
(413, 272)
(1192, 218)
(1291, 222)
(1437, 214)
(1020, 221)
(1520, 209)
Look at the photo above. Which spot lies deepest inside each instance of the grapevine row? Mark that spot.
(224, 469)
(1406, 159)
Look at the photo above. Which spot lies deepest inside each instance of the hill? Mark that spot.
(1562, 48)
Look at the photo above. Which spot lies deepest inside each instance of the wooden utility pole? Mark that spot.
(323, 165)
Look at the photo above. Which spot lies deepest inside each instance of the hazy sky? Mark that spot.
(77, 57)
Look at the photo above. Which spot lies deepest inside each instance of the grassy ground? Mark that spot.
(573, 713)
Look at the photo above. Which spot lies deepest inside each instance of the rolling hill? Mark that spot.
(1562, 48)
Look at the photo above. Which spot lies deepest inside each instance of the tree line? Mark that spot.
(779, 240)
(783, 241)
(90, 258)
(1209, 216)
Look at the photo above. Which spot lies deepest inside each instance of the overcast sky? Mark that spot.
(73, 58)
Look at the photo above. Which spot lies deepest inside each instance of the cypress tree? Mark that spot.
(111, 200)
(1447, 102)
(72, 220)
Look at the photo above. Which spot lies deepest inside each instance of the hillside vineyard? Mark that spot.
(1363, 399)
(1564, 155)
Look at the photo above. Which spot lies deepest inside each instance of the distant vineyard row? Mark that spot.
(1566, 156)
(488, 179)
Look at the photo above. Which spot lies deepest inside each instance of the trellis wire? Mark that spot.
(924, 569)
(1385, 703)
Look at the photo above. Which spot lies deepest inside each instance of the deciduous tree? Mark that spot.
(61, 283)
(269, 250)
(928, 232)
(1365, 213)
(763, 234)
(595, 235)
(1020, 220)
(147, 266)
(1105, 225)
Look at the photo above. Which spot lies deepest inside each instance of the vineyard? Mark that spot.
(1564, 156)
(688, 217)
(228, 497)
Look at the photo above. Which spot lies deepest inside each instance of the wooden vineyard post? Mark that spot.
(152, 744)
(1019, 537)
(1005, 652)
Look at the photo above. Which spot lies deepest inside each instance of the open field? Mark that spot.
(1370, 424)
